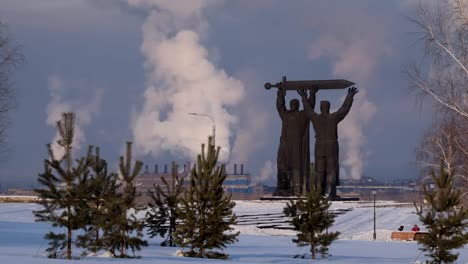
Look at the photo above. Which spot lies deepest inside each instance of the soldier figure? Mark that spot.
(326, 139)
(293, 153)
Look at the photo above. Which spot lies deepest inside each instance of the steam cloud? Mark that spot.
(85, 110)
(267, 173)
(181, 79)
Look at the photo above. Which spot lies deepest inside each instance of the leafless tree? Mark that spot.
(444, 31)
(10, 58)
(446, 141)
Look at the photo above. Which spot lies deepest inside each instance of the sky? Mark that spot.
(132, 70)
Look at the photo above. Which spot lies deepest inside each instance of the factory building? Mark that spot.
(238, 183)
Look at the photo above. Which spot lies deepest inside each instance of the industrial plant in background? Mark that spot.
(238, 182)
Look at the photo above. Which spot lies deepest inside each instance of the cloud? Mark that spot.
(181, 79)
(353, 54)
(85, 110)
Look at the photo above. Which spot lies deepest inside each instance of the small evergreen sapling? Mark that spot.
(102, 190)
(123, 230)
(163, 208)
(445, 220)
(63, 193)
(311, 219)
(206, 213)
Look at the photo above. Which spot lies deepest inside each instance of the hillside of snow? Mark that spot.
(21, 239)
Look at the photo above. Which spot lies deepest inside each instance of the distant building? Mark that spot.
(413, 184)
(20, 192)
(238, 182)
(363, 181)
(147, 179)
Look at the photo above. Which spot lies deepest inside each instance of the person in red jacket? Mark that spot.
(415, 228)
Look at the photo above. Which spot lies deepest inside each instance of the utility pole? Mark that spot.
(213, 127)
(374, 192)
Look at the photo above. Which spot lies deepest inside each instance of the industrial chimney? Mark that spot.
(242, 169)
(235, 168)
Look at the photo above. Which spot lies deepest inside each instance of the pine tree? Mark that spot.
(163, 208)
(102, 191)
(123, 230)
(445, 220)
(206, 213)
(311, 219)
(63, 194)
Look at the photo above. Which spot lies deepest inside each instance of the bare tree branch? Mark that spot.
(445, 36)
(446, 141)
(10, 58)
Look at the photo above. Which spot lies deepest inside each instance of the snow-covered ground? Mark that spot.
(356, 224)
(21, 239)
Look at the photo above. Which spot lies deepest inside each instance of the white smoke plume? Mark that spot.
(84, 109)
(181, 79)
(352, 134)
(267, 174)
(354, 54)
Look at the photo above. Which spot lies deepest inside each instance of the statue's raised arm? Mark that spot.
(280, 102)
(348, 102)
(309, 103)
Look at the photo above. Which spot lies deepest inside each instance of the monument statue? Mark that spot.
(293, 160)
(326, 139)
(293, 153)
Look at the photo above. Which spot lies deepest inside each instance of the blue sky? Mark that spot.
(132, 70)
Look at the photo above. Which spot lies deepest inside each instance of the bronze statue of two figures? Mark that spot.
(293, 162)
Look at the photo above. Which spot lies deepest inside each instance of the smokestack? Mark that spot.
(146, 169)
(235, 168)
(242, 169)
(185, 167)
(165, 168)
(156, 169)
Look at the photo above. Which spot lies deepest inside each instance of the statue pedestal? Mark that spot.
(278, 198)
(345, 199)
(293, 198)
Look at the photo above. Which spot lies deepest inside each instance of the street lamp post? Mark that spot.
(212, 120)
(374, 192)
